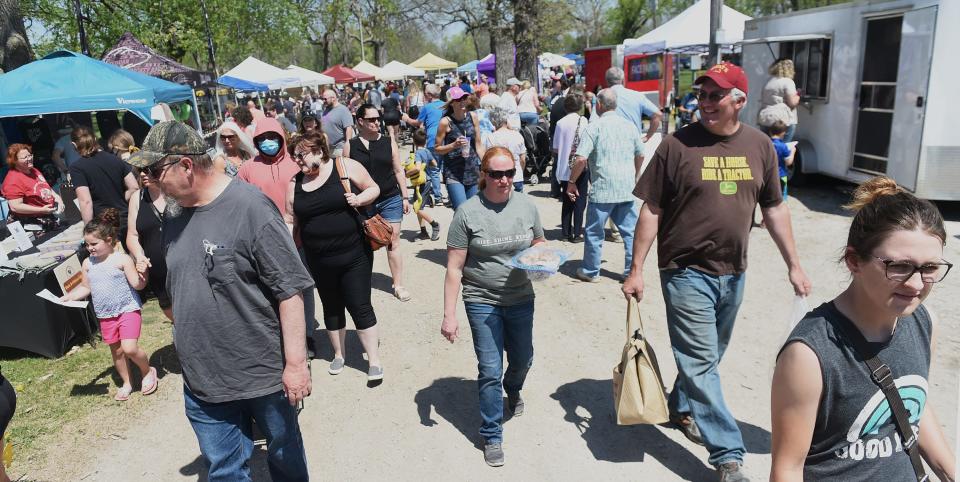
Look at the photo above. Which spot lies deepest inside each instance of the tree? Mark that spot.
(525, 33)
(591, 22)
(14, 45)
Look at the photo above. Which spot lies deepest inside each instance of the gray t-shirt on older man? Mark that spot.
(229, 264)
(335, 122)
(492, 233)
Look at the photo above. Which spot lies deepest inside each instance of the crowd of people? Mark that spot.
(234, 242)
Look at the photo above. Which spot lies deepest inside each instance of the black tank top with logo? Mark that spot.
(855, 437)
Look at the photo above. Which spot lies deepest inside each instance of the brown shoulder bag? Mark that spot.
(378, 231)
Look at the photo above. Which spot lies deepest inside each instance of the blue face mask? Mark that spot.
(269, 147)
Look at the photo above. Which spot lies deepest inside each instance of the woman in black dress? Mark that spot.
(323, 215)
(145, 238)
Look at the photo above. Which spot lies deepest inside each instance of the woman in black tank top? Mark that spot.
(831, 421)
(145, 238)
(325, 219)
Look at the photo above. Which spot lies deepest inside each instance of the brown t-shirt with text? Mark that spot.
(707, 187)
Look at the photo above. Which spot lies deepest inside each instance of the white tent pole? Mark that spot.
(196, 111)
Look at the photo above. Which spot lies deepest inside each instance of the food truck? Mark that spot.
(866, 72)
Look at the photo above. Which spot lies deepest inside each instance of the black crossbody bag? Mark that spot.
(881, 374)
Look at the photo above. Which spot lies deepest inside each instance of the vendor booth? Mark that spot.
(257, 71)
(368, 68)
(36, 95)
(432, 62)
(309, 78)
(397, 70)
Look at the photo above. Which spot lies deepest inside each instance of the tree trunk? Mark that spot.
(524, 35)
(501, 35)
(14, 45)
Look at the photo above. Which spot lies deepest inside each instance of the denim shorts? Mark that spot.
(390, 208)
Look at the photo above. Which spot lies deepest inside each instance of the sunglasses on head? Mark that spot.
(501, 174)
(715, 96)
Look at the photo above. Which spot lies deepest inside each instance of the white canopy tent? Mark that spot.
(394, 70)
(308, 77)
(689, 31)
(368, 68)
(255, 70)
(549, 60)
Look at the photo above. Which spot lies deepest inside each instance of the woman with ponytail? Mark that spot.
(111, 279)
(831, 420)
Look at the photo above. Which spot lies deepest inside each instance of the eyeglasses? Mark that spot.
(901, 271)
(228, 137)
(501, 174)
(25, 157)
(371, 119)
(715, 96)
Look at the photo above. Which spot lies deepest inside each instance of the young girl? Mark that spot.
(111, 279)
(415, 169)
(831, 421)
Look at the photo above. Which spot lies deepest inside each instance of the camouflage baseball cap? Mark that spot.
(165, 138)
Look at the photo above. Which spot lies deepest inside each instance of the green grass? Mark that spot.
(54, 394)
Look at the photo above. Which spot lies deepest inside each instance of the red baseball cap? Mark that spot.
(726, 75)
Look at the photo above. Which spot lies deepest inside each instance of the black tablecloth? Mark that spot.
(30, 323)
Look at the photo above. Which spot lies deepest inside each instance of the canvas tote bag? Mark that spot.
(638, 393)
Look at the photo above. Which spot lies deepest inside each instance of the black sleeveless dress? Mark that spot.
(150, 232)
(328, 225)
(456, 168)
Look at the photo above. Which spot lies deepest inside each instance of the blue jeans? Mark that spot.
(624, 215)
(701, 310)
(495, 329)
(391, 209)
(459, 193)
(791, 130)
(527, 118)
(224, 433)
(433, 174)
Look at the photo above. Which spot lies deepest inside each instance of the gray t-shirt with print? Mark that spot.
(492, 233)
(229, 264)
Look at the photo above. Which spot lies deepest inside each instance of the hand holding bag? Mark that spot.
(377, 230)
(638, 393)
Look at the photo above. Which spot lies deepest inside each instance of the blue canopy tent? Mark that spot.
(469, 66)
(242, 85)
(65, 81)
(575, 57)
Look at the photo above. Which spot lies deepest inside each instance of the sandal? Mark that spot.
(154, 382)
(401, 293)
(123, 394)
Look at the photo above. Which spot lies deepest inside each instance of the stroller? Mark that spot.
(536, 138)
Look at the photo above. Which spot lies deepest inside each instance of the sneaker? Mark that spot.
(336, 366)
(688, 426)
(515, 404)
(435, 231)
(375, 373)
(730, 472)
(493, 454)
(613, 238)
(423, 234)
(584, 277)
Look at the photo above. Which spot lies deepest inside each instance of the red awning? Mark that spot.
(346, 75)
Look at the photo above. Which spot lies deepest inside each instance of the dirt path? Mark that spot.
(421, 424)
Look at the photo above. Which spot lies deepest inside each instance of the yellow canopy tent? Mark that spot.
(432, 62)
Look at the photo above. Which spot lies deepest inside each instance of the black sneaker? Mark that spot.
(515, 404)
(435, 231)
(423, 234)
(493, 454)
(688, 426)
(730, 472)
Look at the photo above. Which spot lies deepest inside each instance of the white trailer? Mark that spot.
(867, 72)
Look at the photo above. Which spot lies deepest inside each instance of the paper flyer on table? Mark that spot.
(47, 295)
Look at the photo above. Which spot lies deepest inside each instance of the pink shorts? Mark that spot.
(126, 326)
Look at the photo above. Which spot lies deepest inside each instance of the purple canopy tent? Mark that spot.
(488, 66)
(131, 54)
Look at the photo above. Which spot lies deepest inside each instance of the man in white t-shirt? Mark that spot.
(508, 102)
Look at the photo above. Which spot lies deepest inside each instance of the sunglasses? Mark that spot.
(155, 170)
(501, 174)
(371, 119)
(715, 96)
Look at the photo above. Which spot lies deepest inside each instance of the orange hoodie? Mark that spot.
(270, 174)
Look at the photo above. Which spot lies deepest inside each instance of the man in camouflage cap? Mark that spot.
(235, 280)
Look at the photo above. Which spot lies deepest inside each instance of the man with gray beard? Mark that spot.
(235, 281)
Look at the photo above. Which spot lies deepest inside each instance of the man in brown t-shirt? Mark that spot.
(699, 193)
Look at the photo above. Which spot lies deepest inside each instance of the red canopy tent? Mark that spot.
(346, 75)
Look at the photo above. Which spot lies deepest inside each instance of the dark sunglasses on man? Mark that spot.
(715, 96)
(155, 170)
(501, 174)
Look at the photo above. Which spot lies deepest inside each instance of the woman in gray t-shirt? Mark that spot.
(486, 231)
(830, 419)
